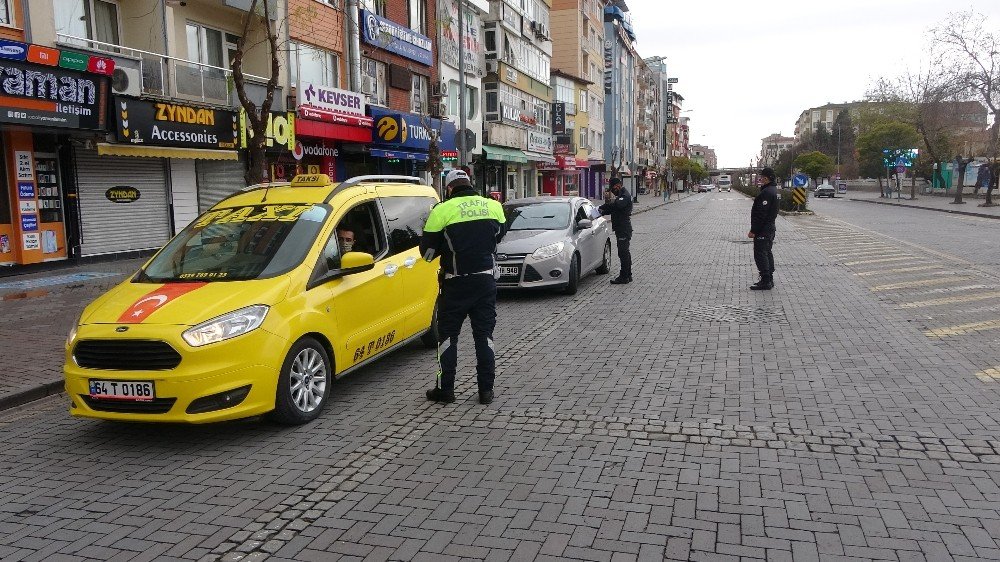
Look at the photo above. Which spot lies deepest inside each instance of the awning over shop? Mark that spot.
(502, 154)
(400, 154)
(108, 149)
(322, 130)
(538, 157)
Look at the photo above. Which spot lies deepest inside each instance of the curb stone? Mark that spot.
(30, 394)
(951, 211)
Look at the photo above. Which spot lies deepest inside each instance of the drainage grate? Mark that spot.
(729, 313)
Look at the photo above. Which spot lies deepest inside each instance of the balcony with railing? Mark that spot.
(171, 77)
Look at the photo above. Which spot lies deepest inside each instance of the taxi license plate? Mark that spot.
(139, 391)
(511, 270)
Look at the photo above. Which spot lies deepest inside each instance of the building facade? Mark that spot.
(620, 93)
(705, 156)
(771, 148)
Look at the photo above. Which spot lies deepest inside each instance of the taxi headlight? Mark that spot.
(548, 251)
(220, 328)
(72, 333)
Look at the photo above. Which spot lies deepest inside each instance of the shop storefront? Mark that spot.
(279, 146)
(539, 153)
(504, 163)
(562, 177)
(178, 160)
(52, 100)
(328, 118)
(594, 179)
(401, 141)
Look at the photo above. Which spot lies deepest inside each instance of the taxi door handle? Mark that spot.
(391, 269)
(410, 262)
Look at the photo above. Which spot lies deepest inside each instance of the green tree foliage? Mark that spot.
(682, 166)
(892, 135)
(814, 164)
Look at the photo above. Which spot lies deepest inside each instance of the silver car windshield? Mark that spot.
(538, 216)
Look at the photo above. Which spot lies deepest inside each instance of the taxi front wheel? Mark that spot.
(304, 383)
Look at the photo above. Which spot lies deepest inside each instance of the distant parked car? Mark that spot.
(825, 190)
(705, 187)
(552, 242)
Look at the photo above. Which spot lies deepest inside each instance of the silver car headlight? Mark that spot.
(548, 251)
(230, 325)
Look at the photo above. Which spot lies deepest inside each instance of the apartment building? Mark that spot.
(771, 148)
(620, 92)
(705, 156)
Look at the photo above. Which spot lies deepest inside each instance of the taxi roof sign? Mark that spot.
(311, 180)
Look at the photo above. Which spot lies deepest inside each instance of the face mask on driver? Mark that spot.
(346, 243)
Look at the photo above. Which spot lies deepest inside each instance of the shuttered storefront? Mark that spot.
(218, 179)
(109, 227)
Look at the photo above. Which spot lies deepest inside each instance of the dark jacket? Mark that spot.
(620, 209)
(464, 231)
(765, 211)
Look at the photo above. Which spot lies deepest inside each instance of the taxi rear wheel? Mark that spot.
(304, 383)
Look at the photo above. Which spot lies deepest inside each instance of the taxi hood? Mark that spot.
(181, 303)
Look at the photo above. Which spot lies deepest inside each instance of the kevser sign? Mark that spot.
(172, 124)
(395, 38)
(52, 97)
(407, 130)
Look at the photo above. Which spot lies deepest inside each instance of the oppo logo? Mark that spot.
(11, 50)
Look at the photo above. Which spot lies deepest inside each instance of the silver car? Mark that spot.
(552, 242)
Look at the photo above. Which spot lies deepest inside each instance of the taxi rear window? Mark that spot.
(239, 244)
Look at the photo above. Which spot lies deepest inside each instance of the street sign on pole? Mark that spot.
(800, 180)
(900, 169)
(671, 80)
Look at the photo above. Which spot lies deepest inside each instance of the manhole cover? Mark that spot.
(730, 313)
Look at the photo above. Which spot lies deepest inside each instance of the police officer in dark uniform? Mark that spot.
(762, 229)
(618, 204)
(464, 230)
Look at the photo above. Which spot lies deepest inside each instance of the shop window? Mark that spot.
(406, 217)
(5, 14)
(4, 196)
(315, 65)
(417, 10)
(78, 21)
(420, 95)
(376, 72)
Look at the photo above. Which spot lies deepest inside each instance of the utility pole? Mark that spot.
(463, 157)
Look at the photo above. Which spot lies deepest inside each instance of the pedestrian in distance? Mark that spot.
(618, 204)
(762, 229)
(464, 230)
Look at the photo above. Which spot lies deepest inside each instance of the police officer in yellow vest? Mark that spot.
(464, 230)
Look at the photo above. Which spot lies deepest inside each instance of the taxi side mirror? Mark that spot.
(354, 262)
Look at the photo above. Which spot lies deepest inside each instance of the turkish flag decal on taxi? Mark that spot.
(142, 308)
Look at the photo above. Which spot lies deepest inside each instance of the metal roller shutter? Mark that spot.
(110, 227)
(218, 179)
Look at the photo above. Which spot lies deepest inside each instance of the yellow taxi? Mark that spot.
(259, 303)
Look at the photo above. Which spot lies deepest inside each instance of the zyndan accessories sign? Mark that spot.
(174, 124)
(395, 38)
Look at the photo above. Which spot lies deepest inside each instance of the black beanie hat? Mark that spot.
(768, 173)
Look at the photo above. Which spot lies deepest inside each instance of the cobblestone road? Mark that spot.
(679, 417)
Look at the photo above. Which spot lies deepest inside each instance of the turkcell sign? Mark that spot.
(395, 38)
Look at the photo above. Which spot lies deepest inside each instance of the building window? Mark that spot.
(210, 46)
(420, 95)
(583, 101)
(377, 6)
(418, 15)
(373, 81)
(471, 102)
(584, 137)
(96, 20)
(315, 65)
(5, 16)
(333, 3)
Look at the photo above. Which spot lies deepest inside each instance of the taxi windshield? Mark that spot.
(239, 244)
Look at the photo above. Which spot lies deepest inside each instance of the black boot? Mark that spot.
(439, 395)
(765, 284)
(621, 280)
(486, 397)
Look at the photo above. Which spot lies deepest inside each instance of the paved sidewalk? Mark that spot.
(971, 207)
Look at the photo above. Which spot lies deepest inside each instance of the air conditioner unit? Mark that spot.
(127, 81)
(440, 89)
(492, 67)
(439, 109)
(367, 85)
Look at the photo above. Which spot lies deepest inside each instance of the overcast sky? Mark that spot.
(815, 52)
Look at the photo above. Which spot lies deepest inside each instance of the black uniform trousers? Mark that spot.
(475, 297)
(624, 255)
(762, 254)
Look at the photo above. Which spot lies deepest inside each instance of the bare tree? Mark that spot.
(257, 20)
(966, 39)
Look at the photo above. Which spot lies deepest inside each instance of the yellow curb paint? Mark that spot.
(989, 375)
(962, 329)
(920, 283)
(952, 300)
(898, 270)
(880, 260)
